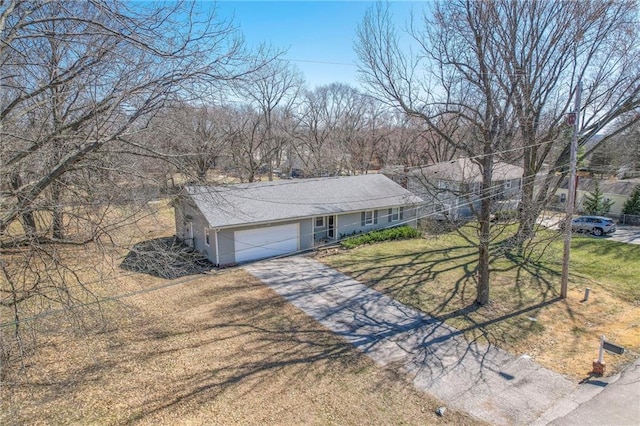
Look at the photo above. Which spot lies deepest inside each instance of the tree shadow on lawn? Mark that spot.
(419, 279)
(274, 355)
(251, 341)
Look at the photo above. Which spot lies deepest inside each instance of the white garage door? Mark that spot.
(254, 244)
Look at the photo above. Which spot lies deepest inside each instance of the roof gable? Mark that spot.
(234, 205)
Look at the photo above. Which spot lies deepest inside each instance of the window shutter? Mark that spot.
(401, 213)
(375, 217)
(362, 219)
(390, 213)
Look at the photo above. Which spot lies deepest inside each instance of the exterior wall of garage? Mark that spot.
(226, 244)
(306, 234)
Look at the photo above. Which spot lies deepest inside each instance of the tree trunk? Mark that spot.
(57, 220)
(27, 219)
(529, 208)
(484, 218)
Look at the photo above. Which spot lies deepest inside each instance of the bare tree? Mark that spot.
(248, 137)
(78, 83)
(273, 91)
(192, 138)
(545, 48)
(503, 71)
(338, 128)
(411, 143)
(461, 88)
(313, 131)
(619, 155)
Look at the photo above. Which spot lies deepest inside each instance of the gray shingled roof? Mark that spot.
(465, 170)
(461, 170)
(250, 203)
(619, 187)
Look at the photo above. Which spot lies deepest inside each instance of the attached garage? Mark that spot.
(261, 243)
(245, 222)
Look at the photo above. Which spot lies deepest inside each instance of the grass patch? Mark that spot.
(526, 315)
(391, 234)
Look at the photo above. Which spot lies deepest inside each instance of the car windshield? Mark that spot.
(609, 222)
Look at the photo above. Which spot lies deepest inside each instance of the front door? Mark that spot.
(331, 227)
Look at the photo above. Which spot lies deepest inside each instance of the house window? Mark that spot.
(507, 185)
(320, 222)
(206, 236)
(368, 217)
(443, 209)
(395, 214)
(563, 197)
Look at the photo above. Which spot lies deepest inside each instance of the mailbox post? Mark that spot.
(598, 365)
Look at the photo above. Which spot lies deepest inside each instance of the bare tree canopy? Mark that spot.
(78, 81)
(272, 92)
(504, 71)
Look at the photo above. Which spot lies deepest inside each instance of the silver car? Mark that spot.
(596, 225)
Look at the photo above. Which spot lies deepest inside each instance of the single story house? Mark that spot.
(452, 189)
(614, 190)
(244, 222)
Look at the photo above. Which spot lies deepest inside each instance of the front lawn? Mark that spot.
(219, 348)
(526, 316)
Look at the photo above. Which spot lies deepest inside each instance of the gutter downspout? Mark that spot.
(217, 248)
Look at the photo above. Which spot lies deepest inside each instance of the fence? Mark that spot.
(629, 219)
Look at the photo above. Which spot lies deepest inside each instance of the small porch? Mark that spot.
(324, 229)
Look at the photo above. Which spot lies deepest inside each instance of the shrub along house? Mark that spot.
(244, 222)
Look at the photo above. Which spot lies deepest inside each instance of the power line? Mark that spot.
(310, 61)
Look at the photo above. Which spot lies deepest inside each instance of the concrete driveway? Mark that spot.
(482, 380)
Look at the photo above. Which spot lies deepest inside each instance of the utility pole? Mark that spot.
(571, 192)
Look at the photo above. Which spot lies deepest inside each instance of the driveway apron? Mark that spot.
(480, 379)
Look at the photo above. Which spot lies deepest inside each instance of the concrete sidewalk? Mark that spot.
(482, 380)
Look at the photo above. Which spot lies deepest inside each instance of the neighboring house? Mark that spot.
(239, 223)
(452, 189)
(615, 190)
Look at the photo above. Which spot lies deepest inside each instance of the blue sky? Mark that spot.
(319, 35)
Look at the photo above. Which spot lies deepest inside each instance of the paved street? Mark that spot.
(624, 233)
(618, 403)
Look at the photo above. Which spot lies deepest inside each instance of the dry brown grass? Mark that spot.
(210, 349)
